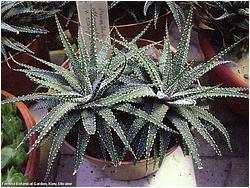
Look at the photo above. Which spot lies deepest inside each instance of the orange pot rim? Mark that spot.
(31, 169)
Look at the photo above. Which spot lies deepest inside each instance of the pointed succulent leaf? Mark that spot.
(41, 124)
(182, 50)
(35, 29)
(175, 11)
(220, 92)
(126, 96)
(71, 79)
(142, 144)
(104, 131)
(53, 120)
(190, 76)
(15, 45)
(193, 91)
(102, 55)
(65, 125)
(137, 37)
(21, 10)
(31, 97)
(92, 38)
(136, 126)
(159, 111)
(45, 104)
(205, 115)
(164, 143)
(68, 49)
(188, 114)
(111, 121)
(102, 148)
(165, 61)
(8, 28)
(183, 128)
(48, 84)
(142, 114)
(8, 5)
(89, 121)
(84, 61)
(82, 142)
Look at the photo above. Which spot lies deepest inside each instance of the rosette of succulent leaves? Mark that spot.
(88, 92)
(160, 97)
(179, 99)
(20, 17)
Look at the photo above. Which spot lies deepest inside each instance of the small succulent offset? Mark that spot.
(19, 17)
(161, 98)
(180, 98)
(230, 18)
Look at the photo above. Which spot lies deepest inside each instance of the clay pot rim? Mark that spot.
(31, 168)
(125, 25)
(17, 53)
(233, 76)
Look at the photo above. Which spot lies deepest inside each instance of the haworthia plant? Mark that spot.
(88, 94)
(161, 100)
(19, 17)
(178, 89)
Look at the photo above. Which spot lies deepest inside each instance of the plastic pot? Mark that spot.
(32, 165)
(16, 82)
(223, 74)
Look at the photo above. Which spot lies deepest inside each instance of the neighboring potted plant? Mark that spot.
(127, 105)
(121, 14)
(16, 165)
(128, 17)
(222, 24)
(21, 33)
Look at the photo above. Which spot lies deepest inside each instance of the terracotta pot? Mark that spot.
(223, 74)
(127, 30)
(127, 170)
(17, 82)
(33, 160)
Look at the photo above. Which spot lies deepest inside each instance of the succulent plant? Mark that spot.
(160, 97)
(85, 93)
(19, 17)
(180, 103)
(229, 18)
